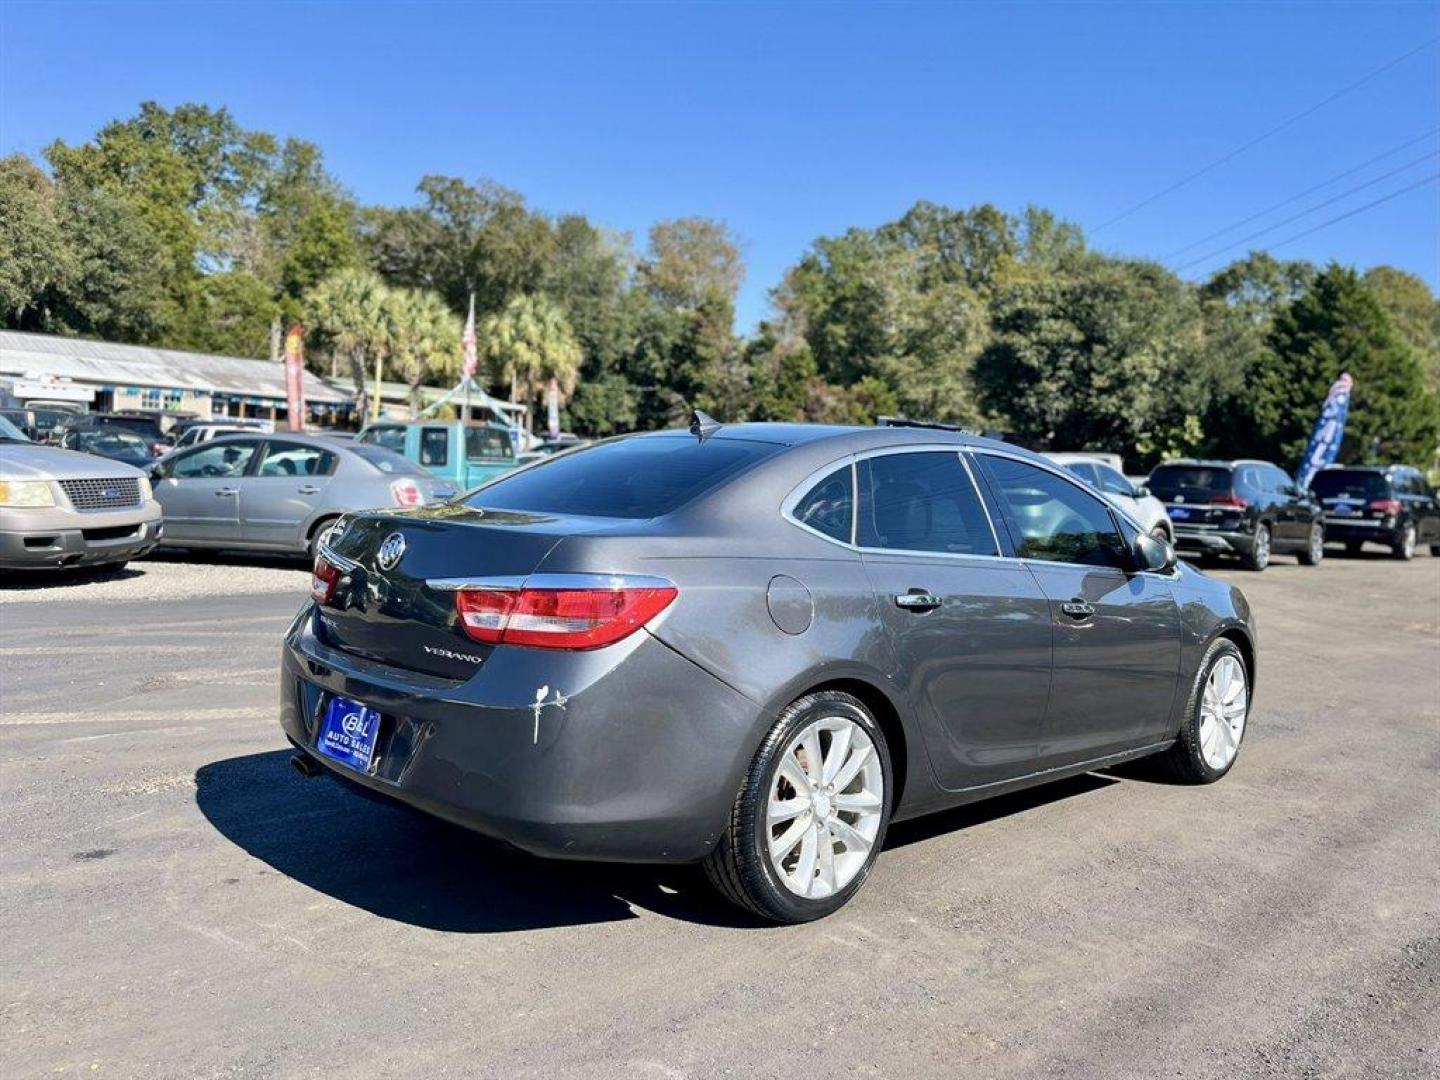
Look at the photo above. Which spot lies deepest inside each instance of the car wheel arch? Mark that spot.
(1242, 641)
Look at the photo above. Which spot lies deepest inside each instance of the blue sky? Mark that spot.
(798, 120)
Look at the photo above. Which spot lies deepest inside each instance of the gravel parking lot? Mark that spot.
(176, 901)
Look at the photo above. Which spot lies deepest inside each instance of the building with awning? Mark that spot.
(104, 376)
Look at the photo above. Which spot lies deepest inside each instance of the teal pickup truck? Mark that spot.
(465, 454)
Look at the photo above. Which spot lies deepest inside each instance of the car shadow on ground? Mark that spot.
(224, 557)
(62, 577)
(402, 865)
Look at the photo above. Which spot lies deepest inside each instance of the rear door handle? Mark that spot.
(309, 489)
(1077, 609)
(227, 491)
(918, 600)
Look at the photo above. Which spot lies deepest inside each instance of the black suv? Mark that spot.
(142, 424)
(1392, 505)
(1247, 508)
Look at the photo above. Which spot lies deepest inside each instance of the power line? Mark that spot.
(1306, 212)
(1358, 210)
(1262, 137)
(1297, 197)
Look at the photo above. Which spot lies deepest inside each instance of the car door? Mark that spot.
(1289, 514)
(1116, 632)
(199, 490)
(970, 630)
(286, 489)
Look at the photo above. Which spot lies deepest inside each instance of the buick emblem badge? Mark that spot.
(391, 552)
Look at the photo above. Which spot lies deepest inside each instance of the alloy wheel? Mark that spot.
(824, 807)
(1407, 542)
(1317, 543)
(1262, 547)
(1222, 713)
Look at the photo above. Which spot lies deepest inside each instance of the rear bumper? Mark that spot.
(54, 539)
(1212, 541)
(1352, 532)
(642, 763)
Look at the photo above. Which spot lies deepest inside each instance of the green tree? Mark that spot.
(1414, 312)
(424, 340)
(228, 314)
(1337, 326)
(691, 260)
(528, 343)
(36, 256)
(348, 316)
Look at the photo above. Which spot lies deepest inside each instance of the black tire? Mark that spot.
(1184, 763)
(1435, 550)
(1258, 557)
(318, 534)
(739, 867)
(1314, 547)
(1353, 548)
(1404, 548)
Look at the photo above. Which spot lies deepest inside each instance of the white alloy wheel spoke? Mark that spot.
(826, 844)
(782, 845)
(858, 802)
(805, 868)
(792, 771)
(785, 809)
(859, 757)
(839, 751)
(855, 842)
(813, 761)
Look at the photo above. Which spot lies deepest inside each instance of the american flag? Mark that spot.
(467, 340)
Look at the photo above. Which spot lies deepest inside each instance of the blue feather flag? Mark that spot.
(1329, 430)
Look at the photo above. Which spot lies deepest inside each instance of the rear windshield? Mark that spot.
(1193, 483)
(631, 478)
(141, 424)
(484, 442)
(1361, 484)
(387, 461)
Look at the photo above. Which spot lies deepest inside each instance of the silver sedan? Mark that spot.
(279, 492)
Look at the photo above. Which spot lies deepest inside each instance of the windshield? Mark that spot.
(630, 478)
(1193, 483)
(1360, 484)
(112, 441)
(387, 461)
(10, 431)
(487, 442)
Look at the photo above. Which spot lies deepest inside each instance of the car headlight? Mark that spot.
(145, 491)
(26, 493)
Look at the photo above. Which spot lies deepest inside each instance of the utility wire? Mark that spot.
(1297, 197)
(1307, 211)
(1265, 135)
(1358, 210)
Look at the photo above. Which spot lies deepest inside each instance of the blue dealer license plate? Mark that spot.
(348, 733)
(1177, 514)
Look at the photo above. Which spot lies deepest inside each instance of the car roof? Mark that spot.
(1217, 463)
(1382, 469)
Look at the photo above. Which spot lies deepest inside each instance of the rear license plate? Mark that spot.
(348, 733)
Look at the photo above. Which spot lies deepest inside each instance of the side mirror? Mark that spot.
(1140, 492)
(1152, 553)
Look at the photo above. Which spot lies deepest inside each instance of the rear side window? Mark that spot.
(1356, 484)
(921, 502)
(640, 477)
(391, 438)
(1083, 469)
(296, 459)
(1053, 520)
(1112, 482)
(1192, 483)
(829, 506)
(387, 461)
(482, 443)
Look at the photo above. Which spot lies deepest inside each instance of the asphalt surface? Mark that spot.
(176, 902)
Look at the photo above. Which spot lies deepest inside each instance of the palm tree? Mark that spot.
(528, 342)
(348, 309)
(425, 339)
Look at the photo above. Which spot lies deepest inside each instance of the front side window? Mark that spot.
(434, 446)
(295, 459)
(922, 501)
(214, 459)
(1054, 520)
(1083, 469)
(828, 507)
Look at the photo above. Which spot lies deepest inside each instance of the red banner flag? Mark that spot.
(295, 377)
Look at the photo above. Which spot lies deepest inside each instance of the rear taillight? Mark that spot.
(1385, 506)
(406, 492)
(560, 618)
(323, 579)
(1229, 500)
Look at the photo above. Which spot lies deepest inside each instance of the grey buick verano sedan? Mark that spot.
(756, 646)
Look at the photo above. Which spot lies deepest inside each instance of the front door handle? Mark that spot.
(227, 491)
(309, 489)
(918, 600)
(1077, 609)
